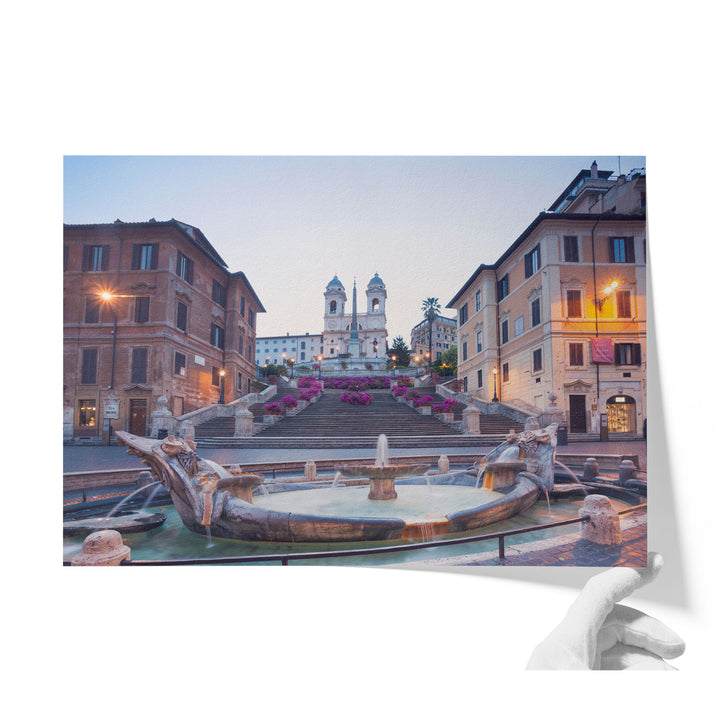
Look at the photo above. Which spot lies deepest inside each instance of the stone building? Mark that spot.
(174, 322)
(444, 336)
(371, 324)
(274, 349)
(563, 310)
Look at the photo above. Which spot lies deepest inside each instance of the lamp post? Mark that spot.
(221, 401)
(394, 359)
(427, 357)
(417, 363)
(319, 359)
(291, 362)
(495, 397)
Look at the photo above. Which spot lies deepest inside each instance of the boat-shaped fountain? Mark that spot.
(212, 500)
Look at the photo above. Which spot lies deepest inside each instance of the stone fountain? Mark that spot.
(211, 500)
(382, 475)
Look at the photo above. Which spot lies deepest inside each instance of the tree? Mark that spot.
(401, 351)
(431, 310)
(447, 362)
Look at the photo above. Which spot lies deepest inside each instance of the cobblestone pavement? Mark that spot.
(565, 550)
(77, 458)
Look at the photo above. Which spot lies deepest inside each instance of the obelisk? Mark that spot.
(354, 344)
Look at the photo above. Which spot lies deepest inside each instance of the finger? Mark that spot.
(586, 615)
(626, 657)
(628, 626)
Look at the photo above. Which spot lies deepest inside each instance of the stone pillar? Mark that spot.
(627, 471)
(104, 547)
(471, 420)
(162, 419)
(310, 471)
(591, 469)
(603, 523)
(243, 422)
(443, 464)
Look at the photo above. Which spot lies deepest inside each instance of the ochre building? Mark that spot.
(563, 311)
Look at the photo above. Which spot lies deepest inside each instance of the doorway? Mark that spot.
(621, 414)
(578, 414)
(138, 417)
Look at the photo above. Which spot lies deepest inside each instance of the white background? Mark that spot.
(416, 78)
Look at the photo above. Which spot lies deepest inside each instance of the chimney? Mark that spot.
(593, 170)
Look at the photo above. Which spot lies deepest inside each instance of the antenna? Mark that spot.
(619, 168)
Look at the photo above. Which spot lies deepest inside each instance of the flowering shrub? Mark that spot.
(289, 402)
(399, 391)
(356, 398)
(307, 381)
(424, 400)
(411, 394)
(272, 379)
(447, 406)
(273, 408)
(404, 381)
(316, 366)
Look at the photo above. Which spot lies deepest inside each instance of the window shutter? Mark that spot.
(528, 265)
(139, 365)
(636, 354)
(182, 316)
(86, 257)
(613, 256)
(105, 257)
(539, 258)
(616, 350)
(630, 249)
(155, 253)
(190, 266)
(178, 263)
(135, 265)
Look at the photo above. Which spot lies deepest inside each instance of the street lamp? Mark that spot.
(495, 397)
(417, 363)
(291, 362)
(221, 401)
(427, 356)
(394, 359)
(320, 359)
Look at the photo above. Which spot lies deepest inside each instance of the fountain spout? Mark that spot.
(381, 456)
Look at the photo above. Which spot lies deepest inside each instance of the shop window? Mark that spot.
(87, 413)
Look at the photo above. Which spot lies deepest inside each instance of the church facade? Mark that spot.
(348, 333)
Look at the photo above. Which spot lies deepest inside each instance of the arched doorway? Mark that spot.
(621, 414)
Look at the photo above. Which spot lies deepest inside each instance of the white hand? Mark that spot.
(598, 634)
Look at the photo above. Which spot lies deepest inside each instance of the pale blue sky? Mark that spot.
(290, 223)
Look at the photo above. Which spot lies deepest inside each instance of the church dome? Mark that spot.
(376, 282)
(335, 283)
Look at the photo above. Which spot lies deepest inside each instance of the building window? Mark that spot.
(535, 312)
(574, 303)
(92, 310)
(465, 384)
(504, 331)
(576, 354)
(251, 318)
(215, 376)
(217, 336)
(241, 343)
(142, 309)
(302, 356)
(88, 375)
(624, 309)
(503, 287)
(87, 413)
(242, 305)
(463, 316)
(184, 268)
(479, 379)
(519, 325)
(181, 319)
(627, 354)
(478, 300)
(180, 364)
(144, 257)
(219, 294)
(138, 371)
(478, 341)
(572, 251)
(537, 360)
(333, 307)
(532, 261)
(622, 250)
(96, 258)
(464, 351)
(506, 372)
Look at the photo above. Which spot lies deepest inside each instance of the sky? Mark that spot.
(290, 223)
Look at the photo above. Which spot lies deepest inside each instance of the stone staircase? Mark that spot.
(331, 423)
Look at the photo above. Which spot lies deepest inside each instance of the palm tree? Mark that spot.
(431, 309)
